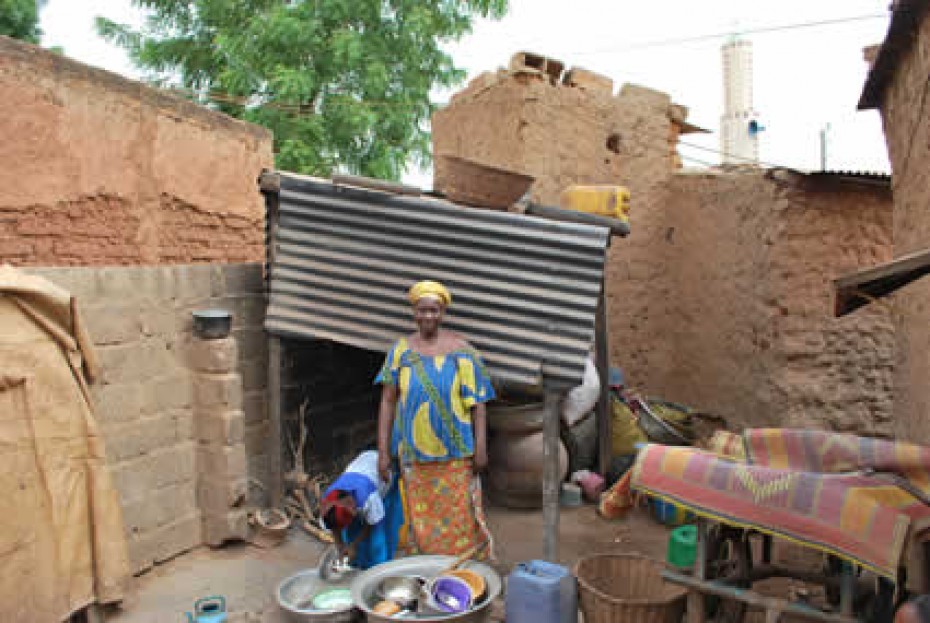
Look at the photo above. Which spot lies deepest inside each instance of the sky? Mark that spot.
(804, 77)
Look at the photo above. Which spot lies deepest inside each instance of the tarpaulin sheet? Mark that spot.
(62, 544)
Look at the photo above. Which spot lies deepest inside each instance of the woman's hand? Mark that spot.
(384, 466)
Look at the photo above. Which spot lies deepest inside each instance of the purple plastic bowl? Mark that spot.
(451, 595)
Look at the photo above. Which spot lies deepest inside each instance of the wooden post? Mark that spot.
(847, 588)
(275, 437)
(696, 607)
(270, 184)
(551, 484)
(602, 361)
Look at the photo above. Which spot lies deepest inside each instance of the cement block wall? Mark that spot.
(140, 320)
(101, 170)
(907, 133)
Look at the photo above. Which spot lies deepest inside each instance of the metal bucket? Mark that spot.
(365, 588)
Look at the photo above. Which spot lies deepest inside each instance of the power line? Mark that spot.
(719, 35)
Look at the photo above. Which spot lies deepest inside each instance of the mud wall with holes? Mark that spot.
(103, 170)
(721, 296)
(907, 133)
(752, 256)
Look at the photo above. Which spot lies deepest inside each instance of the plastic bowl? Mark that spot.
(474, 580)
(450, 594)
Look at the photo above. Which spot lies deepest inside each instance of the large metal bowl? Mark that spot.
(365, 588)
(295, 594)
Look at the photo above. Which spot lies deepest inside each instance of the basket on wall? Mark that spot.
(627, 588)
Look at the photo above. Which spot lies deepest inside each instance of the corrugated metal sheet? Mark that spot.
(525, 289)
(877, 178)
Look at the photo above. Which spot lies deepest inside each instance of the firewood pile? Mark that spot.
(303, 492)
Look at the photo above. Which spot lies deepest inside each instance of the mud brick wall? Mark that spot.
(100, 170)
(146, 401)
(753, 255)
(581, 133)
(721, 296)
(907, 133)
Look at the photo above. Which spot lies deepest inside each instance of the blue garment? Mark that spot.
(385, 516)
(381, 544)
(435, 395)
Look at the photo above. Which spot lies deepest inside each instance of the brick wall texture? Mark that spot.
(721, 296)
(152, 403)
(907, 133)
(100, 170)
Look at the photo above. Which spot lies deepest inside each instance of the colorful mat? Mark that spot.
(848, 515)
(826, 452)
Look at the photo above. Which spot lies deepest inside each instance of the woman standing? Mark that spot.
(432, 426)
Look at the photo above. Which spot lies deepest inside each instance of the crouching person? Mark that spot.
(364, 513)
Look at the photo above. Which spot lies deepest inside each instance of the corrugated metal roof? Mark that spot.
(906, 18)
(877, 177)
(525, 289)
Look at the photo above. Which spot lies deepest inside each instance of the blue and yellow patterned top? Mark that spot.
(435, 397)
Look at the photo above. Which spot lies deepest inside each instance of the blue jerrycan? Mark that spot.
(209, 610)
(541, 592)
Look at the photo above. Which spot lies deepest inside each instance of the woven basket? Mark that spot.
(626, 588)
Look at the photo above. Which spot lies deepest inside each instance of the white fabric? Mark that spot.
(582, 399)
(366, 464)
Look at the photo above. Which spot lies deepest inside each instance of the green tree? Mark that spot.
(20, 19)
(343, 84)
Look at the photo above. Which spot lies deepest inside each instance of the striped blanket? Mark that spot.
(804, 486)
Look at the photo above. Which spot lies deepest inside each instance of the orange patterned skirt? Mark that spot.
(444, 509)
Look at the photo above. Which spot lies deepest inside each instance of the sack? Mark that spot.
(625, 430)
(582, 399)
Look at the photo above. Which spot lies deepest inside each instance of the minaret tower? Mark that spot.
(739, 127)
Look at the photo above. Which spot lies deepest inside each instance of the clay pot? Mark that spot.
(515, 455)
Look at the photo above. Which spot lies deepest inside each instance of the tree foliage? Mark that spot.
(343, 84)
(20, 19)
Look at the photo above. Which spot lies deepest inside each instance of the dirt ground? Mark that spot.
(247, 576)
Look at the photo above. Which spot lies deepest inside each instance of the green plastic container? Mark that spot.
(682, 547)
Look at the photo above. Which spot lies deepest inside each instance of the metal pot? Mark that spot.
(212, 324)
(405, 591)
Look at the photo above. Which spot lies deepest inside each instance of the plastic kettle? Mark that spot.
(209, 610)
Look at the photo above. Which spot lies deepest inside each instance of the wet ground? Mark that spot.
(247, 576)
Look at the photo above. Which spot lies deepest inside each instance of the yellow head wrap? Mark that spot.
(429, 288)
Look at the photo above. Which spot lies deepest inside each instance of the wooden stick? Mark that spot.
(697, 612)
(754, 599)
(319, 533)
(275, 475)
(304, 503)
(551, 484)
(602, 361)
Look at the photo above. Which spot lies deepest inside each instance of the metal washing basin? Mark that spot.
(365, 588)
(295, 593)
